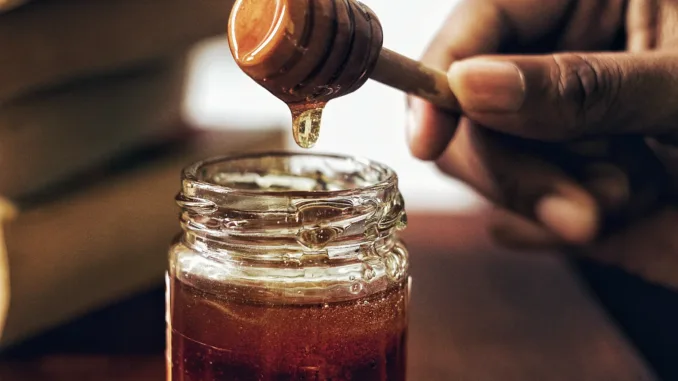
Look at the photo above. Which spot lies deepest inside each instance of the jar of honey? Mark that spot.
(289, 267)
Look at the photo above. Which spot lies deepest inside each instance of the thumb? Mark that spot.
(565, 96)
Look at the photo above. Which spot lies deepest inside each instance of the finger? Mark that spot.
(623, 173)
(509, 175)
(609, 184)
(517, 233)
(566, 96)
(645, 249)
(594, 26)
(641, 21)
(429, 129)
(666, 151)
(474, 27)
(604, 179)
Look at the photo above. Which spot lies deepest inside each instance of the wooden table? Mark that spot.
(478, 314)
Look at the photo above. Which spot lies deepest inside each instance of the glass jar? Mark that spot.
(289, 267)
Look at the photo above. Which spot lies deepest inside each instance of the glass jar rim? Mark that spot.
(387, 177)
(289, 202)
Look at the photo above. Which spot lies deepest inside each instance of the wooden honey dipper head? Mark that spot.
(305, 51)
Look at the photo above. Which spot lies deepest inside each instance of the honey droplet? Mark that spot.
(306, 125)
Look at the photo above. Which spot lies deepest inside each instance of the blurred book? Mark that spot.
(54, 134)
(83, 82)
(89, 244)
(51, 42)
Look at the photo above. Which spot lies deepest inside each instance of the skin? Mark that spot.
(569, 124)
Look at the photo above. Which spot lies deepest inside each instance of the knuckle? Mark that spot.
(585, 88)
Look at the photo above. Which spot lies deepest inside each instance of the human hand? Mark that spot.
(560, 127)
(563, 135)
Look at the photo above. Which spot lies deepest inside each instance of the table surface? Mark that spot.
(478, 313)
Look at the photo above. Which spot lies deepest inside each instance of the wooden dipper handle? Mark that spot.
(415, 78)
(311, 51)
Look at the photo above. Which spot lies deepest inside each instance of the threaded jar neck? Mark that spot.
(277, 204)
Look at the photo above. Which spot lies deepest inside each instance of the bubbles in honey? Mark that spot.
(356, 288)
(306, 125)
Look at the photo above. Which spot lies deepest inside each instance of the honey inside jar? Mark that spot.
(220, 338)
(289, 268)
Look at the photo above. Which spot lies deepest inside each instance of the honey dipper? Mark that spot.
(307, 52)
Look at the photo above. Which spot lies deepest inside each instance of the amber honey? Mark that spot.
(218, 339)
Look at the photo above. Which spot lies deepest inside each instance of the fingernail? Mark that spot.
(573, 221)
(487, 86)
